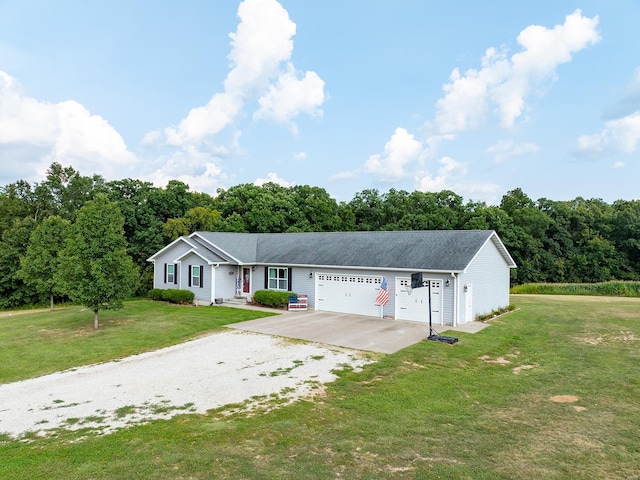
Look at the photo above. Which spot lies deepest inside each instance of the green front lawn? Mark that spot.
(33, 344)
(549, 391)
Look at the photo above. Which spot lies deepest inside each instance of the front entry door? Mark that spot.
(246, 280)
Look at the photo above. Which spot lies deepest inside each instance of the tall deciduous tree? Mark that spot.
(17, 201)
(95, 269)
(65, 191)
(13, 291)
(42, 260)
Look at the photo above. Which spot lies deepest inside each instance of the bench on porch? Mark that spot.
(297, 302)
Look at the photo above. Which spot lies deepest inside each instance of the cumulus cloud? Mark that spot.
(505, 150)
(503, 83)
(200, 170)
(400, 151)
(451, 175)
(449, 172)
(39, 133)
(290, 95)
(619, 135)
(260, 69)
(272, 178)
(300, 156)
(341, 176)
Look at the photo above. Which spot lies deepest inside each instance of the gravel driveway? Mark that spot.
(229, 367)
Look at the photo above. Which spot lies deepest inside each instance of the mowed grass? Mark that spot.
(33, 344)
(484, 408)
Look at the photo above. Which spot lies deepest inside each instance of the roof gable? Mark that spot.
(170, 246)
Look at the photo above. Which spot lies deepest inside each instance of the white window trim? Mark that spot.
(171, 277)
(193, 276)
(278, 279)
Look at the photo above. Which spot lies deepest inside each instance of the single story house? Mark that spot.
(468, 270)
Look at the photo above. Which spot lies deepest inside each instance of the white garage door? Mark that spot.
(354, 294)
(416, 306)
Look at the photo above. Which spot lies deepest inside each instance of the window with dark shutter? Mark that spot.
(170, 273)
(277, 278)
(195, 277)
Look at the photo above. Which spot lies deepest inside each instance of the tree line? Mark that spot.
(580, 240)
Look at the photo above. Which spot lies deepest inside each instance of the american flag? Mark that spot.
(383, 294)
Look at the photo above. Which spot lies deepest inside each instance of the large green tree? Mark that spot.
(64, 191)
(13, 291)
(42, 259)
(95, 269)
(17, 201)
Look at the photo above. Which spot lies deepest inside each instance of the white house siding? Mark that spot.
(226, 281)
(302, 284)
(202, 294)
(169, 256)
(448, 299)
(488, 273)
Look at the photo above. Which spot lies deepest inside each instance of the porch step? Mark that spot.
(236, 300)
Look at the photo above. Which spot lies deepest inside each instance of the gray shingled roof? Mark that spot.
(240, 246)
(440, 250)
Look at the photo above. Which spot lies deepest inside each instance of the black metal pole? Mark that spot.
(430, 315)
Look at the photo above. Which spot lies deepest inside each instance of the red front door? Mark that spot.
(246, 280)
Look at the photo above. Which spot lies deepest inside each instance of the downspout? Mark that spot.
(455, 299)
(213, 281)
(180, 274)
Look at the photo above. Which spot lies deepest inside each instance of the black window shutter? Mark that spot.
(165, 273)
(189, 275)
(266, 278)
(175, 273)
(201, 276)
(290, 280)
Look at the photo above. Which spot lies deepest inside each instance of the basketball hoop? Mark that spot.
(409, 290)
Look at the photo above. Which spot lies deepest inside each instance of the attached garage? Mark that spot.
(353, 294)
(415, 305)
(468, 270)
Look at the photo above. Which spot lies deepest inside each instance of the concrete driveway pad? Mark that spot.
(340, 329)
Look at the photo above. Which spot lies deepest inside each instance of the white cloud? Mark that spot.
(502, 84)
(300, 156)
(40, 133)
(260, 45)
(340, 176)
(451, 176)
(481, 191)
(200, 170)
(505, 150)
(401, 150)
(272, 178)
(620, 135)
(617, 165)
(447, 174)
(203, 122)
(289, 96)
(151, 138)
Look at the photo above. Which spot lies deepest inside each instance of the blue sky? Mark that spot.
(476, 97)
